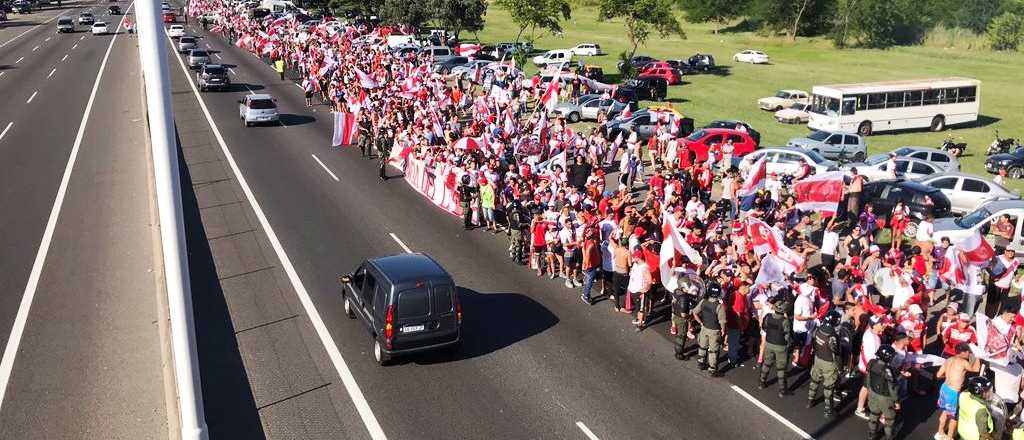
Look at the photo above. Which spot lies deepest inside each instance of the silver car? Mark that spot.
(198, 57)
(256, 109)
(186, 44)
(943, 159)
(967, 192)
(589, 107)
(833, 145)
(469, 69)
(878, 168)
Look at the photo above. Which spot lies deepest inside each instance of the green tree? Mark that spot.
(1006, 32)
(880, 23)
(974, 14)
(641, 18)
(460, 15)
(412, 13)
(544, 15)
(715, 11)
(794, 17)
(359, 7)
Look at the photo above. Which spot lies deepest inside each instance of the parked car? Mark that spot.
(920, 199)
(798, 113)
(838, 146)
(469, 68)
(197, 57)
(937, 157)
(22, 7)
(507, 49)
(878, 168)
(588, 108)
(967, 192)
(980, 220)
(698, 63)
(558, 56)
(114, 10)
(1013, 162)
(638, 62)
(446, 65)
(751, 56)
(642, 122)
(256, 109)
(436, 51)
(408, 304)
(648, 88)
(99, 28)
(783, 99)
(788, 160)
(669, 74)
(587, 49)
(701, 141)
(736, 125)
(86, 18)
(186, 44)
(65, 24)
(212, 76)
(176, 31)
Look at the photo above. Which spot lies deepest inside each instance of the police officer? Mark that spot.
(365, 135)
(682, 303)
(518, 222)
(883, 395)
(825, 370)
(973, 415)
(710, 314)
(777, 328)
(384, 143)
(466, 193)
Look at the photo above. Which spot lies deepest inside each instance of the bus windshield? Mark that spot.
(824, 105)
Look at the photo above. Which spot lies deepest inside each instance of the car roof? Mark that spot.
(403, 268)
(942, 174)
(722, 130)
(800, 151)
(260, 96)
(904, 183)
(999, 205)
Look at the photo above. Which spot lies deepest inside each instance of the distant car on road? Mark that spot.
(114, 10)
(798, 113)
(65, 24)
(967, 192)
(408, 304)
(783, 99)
(838, 146)
(169, 17)
(186, 44)
(701, 141)
(937, 157)
(212, 76)
(198, 57)
(86, 18)
(176, 31)
(257, 109)
(99, 28)
(22, 7)
(751, 56)
(587, 49)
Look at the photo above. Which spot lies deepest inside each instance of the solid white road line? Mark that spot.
(317, 159)
(21, 318)
(30, 98)
(586, 431)
(2, 73)
(351, 386)
(772, 413)
(35, 48)
(19, 60)
(74, 47)
(47, 39)
(400, 243)
(51, 73)
(27, 31)
(249, 89)
(65, 57)
(4, 133)
(81, 38)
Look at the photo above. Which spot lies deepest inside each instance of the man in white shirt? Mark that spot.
(609, 231)
(890, 166)
(870, 343)
(829, 244)
(804, 313)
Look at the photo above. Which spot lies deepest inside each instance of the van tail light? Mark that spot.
(389, 325)
(458, 311)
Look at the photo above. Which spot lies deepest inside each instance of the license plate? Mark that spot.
(413, 328)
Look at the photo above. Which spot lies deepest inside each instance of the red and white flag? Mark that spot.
(466, 143)
(767, 240)
(755, 180)
(952, 271)
(672, 246)
(976, 250)
(365, 81)
(346, 130)
(550, 98)
(821, 192)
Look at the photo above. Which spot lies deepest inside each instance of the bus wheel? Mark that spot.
(864, 129)
(938, 123)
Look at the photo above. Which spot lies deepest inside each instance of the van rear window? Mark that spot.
(442, 299)
(413, 303)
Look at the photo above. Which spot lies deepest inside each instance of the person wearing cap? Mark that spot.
(953, 372)
(958, 333)
(973, 416)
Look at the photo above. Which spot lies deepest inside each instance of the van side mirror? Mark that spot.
(345, 279)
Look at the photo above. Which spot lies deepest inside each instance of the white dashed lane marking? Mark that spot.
(65, 57)
(19, 60)
(30, 98)
(51, 73)
(4, 133)
(322, 165)
(400, 243)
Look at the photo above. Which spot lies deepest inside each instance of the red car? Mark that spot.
(670, 75)
(701, 140)
(169, 17)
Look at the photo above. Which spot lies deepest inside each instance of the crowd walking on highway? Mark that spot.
(874, 315)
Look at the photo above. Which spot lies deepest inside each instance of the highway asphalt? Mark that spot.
(79, 313)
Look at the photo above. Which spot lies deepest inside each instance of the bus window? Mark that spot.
(876, 101)
(913, 98)
(894, 100)
(967, 94)
(848, 106)
(862, 102)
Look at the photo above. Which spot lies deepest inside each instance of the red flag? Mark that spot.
(976, 250)
(755, 180)
(766, 240)
(365, 81)
(952, 271)
(820, 192)
(550, 98)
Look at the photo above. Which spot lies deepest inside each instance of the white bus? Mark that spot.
(894, 105)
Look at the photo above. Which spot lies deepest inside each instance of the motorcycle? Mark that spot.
(957, 149)
(1000, 145)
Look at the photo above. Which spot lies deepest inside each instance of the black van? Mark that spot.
(408, 303)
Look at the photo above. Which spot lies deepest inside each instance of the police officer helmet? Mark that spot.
(832, 319)
(713, 290)
(885, 353)
(465, 179)
(978, 385)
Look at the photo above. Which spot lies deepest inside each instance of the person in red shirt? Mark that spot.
(538, 244)
(737, 319)
(961, 332)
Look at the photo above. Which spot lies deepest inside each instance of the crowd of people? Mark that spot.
(646, 227)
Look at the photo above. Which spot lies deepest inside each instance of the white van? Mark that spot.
(557, 56)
